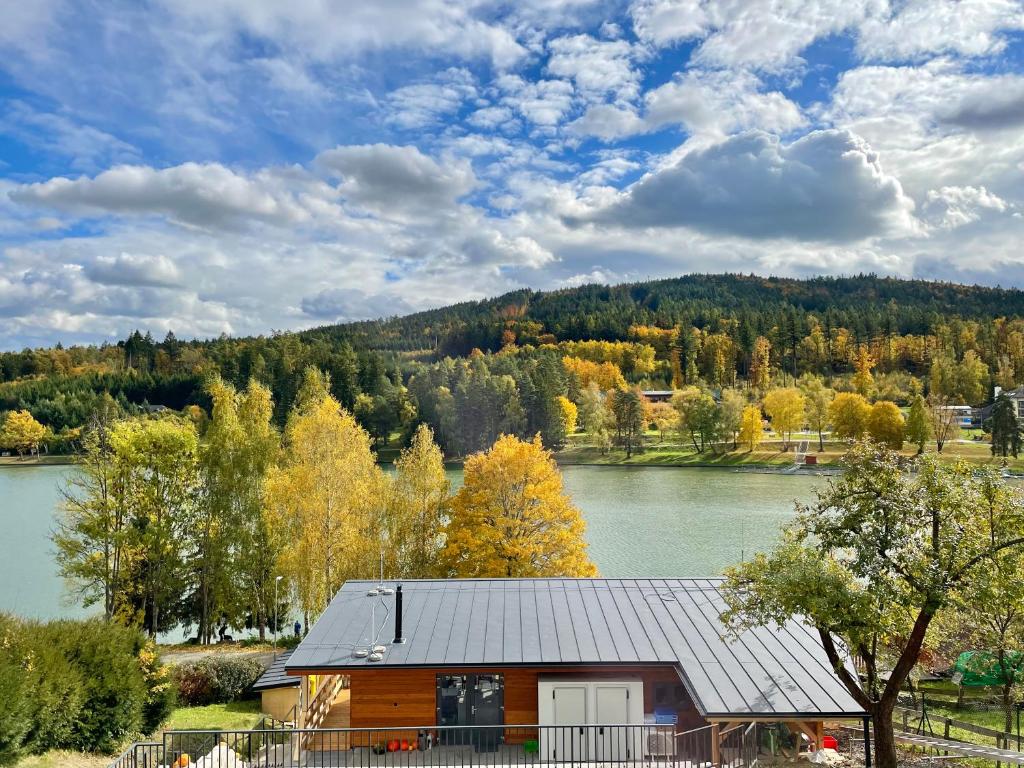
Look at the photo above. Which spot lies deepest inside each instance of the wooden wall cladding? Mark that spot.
(389, 698)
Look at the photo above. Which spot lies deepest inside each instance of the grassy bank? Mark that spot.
(36, 461)
(768, 455)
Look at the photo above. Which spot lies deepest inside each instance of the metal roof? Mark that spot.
(275, 676)
(765, 671)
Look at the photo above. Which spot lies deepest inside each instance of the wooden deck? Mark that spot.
(961, 748)
(339, 716)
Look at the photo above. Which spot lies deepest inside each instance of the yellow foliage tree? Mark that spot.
(606, 375)
(512, 518)
(862, 379)
(327, 499)
(849, 413)
(569, 413)
(420, 499)
(22, 433)
(760, 363)
(886, 424)
(751, 427)
(785, 407)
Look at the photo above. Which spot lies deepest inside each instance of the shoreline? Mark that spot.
(58, 460)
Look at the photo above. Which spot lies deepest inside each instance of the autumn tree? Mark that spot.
(751, 427)
(158, 461)
(919, 428)
(627, 408)
(326, 499)
(962, 382)
(22, 433)
(760, 363)
(235, 553)
(569, 413)
(872, 562)
(730, 410)
(699, 417)
(1005, 428)
(886, 425)
(849, 413)
(945, 419)
(512, 517)
(94, 534)
(593, 413)
(863, 381)
(418, 509)
(818, 399)
(663, 417)
(785, 407)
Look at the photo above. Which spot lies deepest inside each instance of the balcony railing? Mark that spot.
(498, 746)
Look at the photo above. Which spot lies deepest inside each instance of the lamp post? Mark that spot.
(276, 582)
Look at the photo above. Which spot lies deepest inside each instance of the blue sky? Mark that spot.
(238, 166)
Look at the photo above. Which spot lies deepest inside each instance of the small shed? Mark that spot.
(279, 691)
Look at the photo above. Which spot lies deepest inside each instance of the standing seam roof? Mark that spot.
(763, 671)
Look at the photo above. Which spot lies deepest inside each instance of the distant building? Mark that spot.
(658, 395)
(965, 415)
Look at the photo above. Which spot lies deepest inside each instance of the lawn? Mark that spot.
(236, 716)
(62, 759)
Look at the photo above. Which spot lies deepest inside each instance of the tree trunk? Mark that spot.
(885, 743)
(821, 442)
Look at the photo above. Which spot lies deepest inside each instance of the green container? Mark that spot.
(530, 746)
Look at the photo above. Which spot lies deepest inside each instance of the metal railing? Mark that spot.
(497, 746)
(141, 754)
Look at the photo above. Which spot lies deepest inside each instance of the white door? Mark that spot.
(612, 709)
(565, 739)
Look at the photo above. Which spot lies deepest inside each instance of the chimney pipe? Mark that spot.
(398, 616)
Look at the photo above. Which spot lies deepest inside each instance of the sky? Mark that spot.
(242, 166)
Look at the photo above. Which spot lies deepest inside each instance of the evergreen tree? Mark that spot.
(1005, 428)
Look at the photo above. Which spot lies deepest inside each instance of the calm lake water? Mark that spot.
(641, 521)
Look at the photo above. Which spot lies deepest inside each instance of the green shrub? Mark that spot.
(85, 685)
(113, 682)
(15, 692)
(58, 695)
(216, 680)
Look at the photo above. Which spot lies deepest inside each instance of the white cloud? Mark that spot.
(826, 186)
(919, 28)
(763, 34)
(205, 195)
(348, 28)
(425, 104)
(390, 179)
(343, 304)
(135, 269)
(720, 103)
(703, 103)
(597, 67)
(936, 124)
(952, 207)
(543, 103)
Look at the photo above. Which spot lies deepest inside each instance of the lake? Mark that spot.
(641, 521)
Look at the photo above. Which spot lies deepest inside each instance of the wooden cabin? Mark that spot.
(530, 653)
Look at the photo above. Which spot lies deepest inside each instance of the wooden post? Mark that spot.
(716, 747)
(819, 735)
(945, 734)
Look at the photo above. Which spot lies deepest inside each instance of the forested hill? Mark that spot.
(867, 305)
(713, 331)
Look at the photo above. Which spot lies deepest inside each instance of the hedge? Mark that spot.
(84, 685)
(216, 680)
